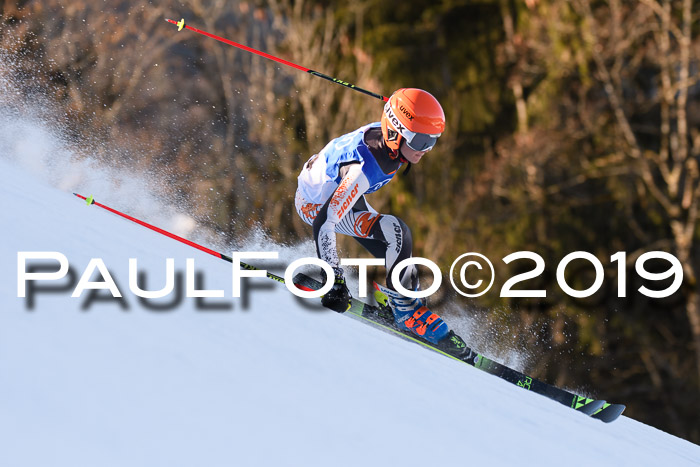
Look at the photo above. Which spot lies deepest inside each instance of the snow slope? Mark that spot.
(268, 384)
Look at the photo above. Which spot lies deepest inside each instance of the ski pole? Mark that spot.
(91, 202)
(181, 24)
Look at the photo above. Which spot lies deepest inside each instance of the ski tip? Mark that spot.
(588, 406)
(610, 412)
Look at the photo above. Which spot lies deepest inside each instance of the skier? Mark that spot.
(331, 198)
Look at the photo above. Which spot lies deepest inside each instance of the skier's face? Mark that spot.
(411, 155)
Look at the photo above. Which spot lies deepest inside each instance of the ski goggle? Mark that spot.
(420, 141)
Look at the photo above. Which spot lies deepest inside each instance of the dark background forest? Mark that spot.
(572, 125)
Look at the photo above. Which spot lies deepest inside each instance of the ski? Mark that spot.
(373, 316)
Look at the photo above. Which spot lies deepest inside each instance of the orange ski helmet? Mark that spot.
(412, 115)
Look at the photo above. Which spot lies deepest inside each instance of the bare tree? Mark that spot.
(668, 173)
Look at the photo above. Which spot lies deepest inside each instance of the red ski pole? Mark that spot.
(91, 202)
(181, 25)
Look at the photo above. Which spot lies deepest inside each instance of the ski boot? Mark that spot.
(338, 298)
(410, 314)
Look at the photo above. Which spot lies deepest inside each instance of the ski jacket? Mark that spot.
(321, 175)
